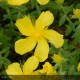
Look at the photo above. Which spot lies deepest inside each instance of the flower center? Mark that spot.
(37, 35)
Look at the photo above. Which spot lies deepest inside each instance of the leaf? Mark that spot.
(62, 20)
(4, 50)
(70, 28)
(71, 70)
(65, 46)
(77, 32)
(76, 36)
(68, 9)
(53, 6)
(6, 62)
(77, 6)
(1, 61)
(53, 50)
(33, 3)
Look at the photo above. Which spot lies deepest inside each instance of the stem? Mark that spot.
(60, 68)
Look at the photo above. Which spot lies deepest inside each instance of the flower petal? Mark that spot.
(23, 46)
(77, 13)
(42, 2)
(25, 26)
(42, 50)
(78, 67)
(30, 65)
(48, 69)
(36, 72)
(17, 2)
(14, 69)
(44, 20)
(54, 37)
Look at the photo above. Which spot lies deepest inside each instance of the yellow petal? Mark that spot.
(36, 73)
(48, 69)
(17, 2)
(57, 58)
(54, 37)
(42, 50)
(77, 13)
(25, 26)
(45, 19)
(23, 46)
(14, 69)
(30, 65)
(78, 67)
(42, 2)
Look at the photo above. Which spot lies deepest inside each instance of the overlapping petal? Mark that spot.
(48, 69)
(25, 26)
(42, 50)
(17, 2)
(45, 19)
(23, 46)
(42, 2)
(14, 69)
(30, 65)
(54, 37)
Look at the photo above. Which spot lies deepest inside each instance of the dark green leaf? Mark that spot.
(62, 19)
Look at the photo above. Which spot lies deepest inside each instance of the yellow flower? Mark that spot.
(57, 59)
(28, 68)
(37, 34)
(48, 69)
(42, 2)
(17, 2)
(15, 72)
(59, 1)
(76, 13)
(20, 2)
(78, 67)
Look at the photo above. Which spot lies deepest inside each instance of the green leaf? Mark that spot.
(1, 61)
(76, 35)
(71, 70)
(62, 20)
(4, 50)
(6, 62)
(68, 9)
(77, 6)
(77, 32)
(70, 28)
(53, 50)
(53, 6)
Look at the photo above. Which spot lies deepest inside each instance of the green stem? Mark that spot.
(60, 68)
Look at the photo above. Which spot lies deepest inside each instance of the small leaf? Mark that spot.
(6, 62)
(68, 9)
(77, 32)
(70, 28)
(62, 20)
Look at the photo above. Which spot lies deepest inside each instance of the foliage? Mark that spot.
(63, 23)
